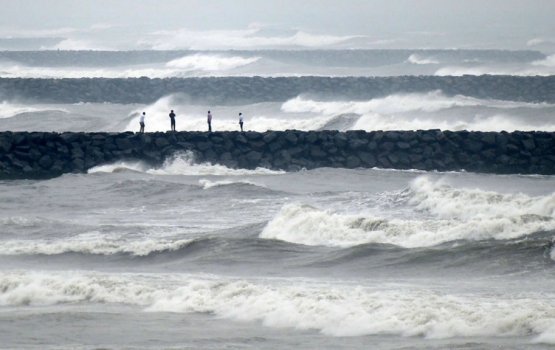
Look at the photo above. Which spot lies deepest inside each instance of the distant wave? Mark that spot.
(191, 65)
(395, 112)
(544, 67)
(330, 308)
(251, 37)
(206, 184)
(157, 119)
(210, 63)
(396, 103)
(10, 110)
(450, 214)
(179, 164)
(418, 59)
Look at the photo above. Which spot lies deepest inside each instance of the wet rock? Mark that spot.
(357, 144)
(46, 161)
(291, 137)
(5, 144)
(36, 155)
(352, 162)
(528, 144)
(254, 157)
(160, 142)
(317, 152)
(124, 144)
(367, 159)
(269, 137)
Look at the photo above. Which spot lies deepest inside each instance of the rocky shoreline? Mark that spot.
(28, 155)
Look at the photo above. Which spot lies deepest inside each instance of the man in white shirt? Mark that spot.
(142, 122)
(241, 121)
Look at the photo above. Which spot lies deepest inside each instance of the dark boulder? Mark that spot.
(291, 137)
(46, 161)
(5, 144)
(352, 162)
(367, 159)
(528, 144)
(160, 142)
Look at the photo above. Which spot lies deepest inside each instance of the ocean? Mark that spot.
(198, 255)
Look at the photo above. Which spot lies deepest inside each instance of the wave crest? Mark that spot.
(332, 309)
(210, 63)
(181, 163)
(92, 244)
(447, 214)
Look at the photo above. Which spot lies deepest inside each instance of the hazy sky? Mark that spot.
(283, 23)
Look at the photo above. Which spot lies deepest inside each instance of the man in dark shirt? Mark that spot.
(172, 118)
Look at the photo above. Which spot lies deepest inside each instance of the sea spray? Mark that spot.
(447, 214)
(328, 307)
(181, 163)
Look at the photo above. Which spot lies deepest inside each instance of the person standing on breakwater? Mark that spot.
(142, 122)
(241, 121)
(172, 119)
(209, 120)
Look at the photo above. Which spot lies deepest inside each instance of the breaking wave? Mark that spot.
(394, 112)
(425, 111)
(418, 59)
(332, 309)
(91, 244)
(447, 214)
(157, 120)
(251, 37)
(544, 67)
(210, 63)
(9, 110)
(182, 163)
(396, 103)
(206, 184)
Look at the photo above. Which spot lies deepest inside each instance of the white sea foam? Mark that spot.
(212, 66)
(396, 103)
(546, 337)
(251, 37)
(544, 67)
(80, 44)
(157, 118)
(210, 63)
(24, 221)
(393, 112)
(191, 65)
(496, 122)
(447, 214)
(9, 110)
(331, 308)
(549, 61)
(418, 59)
(120, 166)
(206, 184)
(182, 163)
(397, 112)
(91, 244)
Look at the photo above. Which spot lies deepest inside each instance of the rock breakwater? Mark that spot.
(45, 155)
(241, 90)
